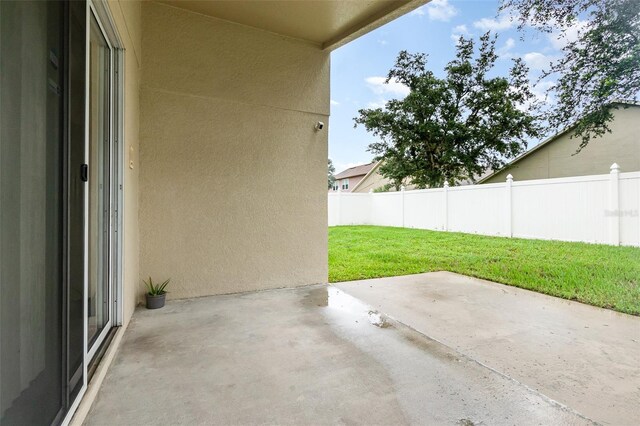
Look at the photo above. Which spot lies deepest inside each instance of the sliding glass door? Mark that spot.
(58, 195)
(100, 187)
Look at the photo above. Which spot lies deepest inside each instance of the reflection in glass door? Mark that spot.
(32, 57)
(99, 179)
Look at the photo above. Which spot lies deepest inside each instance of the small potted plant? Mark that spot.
(156, 294)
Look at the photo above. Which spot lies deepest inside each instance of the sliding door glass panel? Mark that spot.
(75, 298)
(99, 182)
(31, 212)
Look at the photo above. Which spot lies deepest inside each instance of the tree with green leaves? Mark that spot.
(453, 128)
(330, 173)
(598, 67)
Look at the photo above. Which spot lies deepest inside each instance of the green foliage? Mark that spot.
(452, 128)
(599, 275)
(330, 171)
(156, 289)
(599, 67)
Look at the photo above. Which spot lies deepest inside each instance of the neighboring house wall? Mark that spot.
(557, 159)
(127, 18)
(372, 181)
(353, 181)
(227, 115)
(353, 176)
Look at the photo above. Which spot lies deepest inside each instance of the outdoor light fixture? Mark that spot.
(319, 126)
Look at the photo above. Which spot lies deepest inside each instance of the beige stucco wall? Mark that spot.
(556, 159)
(227, 116)
(127, 18)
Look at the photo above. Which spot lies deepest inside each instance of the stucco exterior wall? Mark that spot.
(227, 115)
(556, 159)
(127, 18)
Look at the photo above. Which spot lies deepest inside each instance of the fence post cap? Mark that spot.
(615, 167)
(446, 184)
(401, 187)
(509, 177)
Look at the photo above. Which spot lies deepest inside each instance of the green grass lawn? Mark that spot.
(599, 275)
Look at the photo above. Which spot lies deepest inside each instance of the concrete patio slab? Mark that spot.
(312, 355)
(584, 357)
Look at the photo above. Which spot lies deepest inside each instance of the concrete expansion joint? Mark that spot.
(493, 370)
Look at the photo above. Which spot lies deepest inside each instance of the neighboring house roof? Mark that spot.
(546, 142)
(408, 184)
(360, 170)
(372, 170)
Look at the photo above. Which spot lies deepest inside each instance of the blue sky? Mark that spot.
(359, 68)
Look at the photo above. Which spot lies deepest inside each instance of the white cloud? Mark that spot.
(384, 91)
(560, 39)
(440, 10)
(379, 86)
(503, 22)
(437, 10)
(537, 60)
(458, 31)
(462, 29)
(504, 51)
(380, 103)
(540, 91)
(336, 103)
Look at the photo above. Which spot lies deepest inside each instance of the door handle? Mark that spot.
(84, 172)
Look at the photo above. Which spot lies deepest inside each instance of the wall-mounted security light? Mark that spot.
(319, 126)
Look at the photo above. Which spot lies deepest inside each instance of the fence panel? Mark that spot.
(349, 209)
(333, 210)
(479, 209)
(629, 211)
(386, 209)
(596, 209)
(423, 209)
(554, 209)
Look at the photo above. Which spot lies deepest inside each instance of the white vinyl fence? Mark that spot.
(596, 209)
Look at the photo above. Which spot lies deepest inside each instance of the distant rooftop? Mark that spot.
(360, 170)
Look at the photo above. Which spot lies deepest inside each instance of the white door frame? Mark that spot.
(91, 351)
(100, 10)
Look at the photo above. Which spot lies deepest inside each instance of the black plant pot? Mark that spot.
(155, 302)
